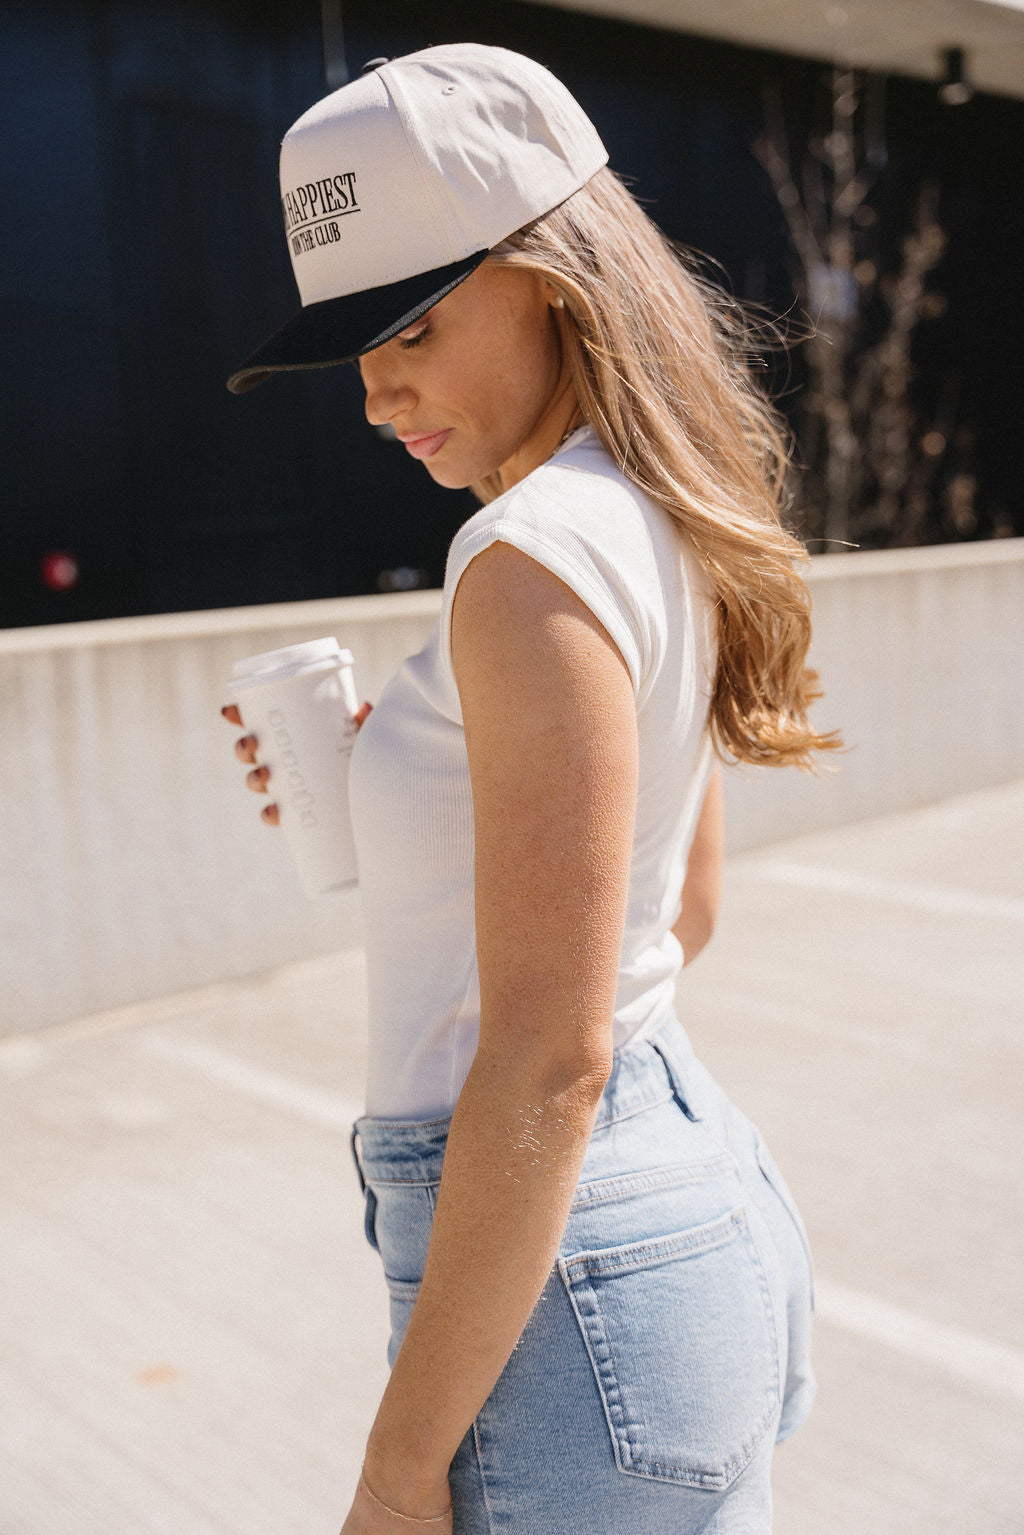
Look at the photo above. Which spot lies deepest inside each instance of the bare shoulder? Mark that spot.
(517, 627)
(551, 742)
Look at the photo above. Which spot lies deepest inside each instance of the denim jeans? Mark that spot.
(670, 1347)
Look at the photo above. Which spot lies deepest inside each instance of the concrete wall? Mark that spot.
(133, 862)
(921, 658)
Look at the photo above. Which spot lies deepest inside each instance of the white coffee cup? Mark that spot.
(299, 702)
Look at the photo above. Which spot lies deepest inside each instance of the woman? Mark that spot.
(600, 1287)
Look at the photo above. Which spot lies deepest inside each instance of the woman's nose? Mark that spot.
(387, 394)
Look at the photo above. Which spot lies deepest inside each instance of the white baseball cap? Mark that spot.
(395, 188)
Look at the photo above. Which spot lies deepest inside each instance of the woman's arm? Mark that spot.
(702, 887)
(550, 724)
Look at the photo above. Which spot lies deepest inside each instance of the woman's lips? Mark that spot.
(426, 444)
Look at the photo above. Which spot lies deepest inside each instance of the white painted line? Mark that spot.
(314, 1104)
(994, 1367)
(960, 903)
(323, 969)
(991, 1366)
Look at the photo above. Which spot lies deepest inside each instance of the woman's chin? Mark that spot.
(450, 476)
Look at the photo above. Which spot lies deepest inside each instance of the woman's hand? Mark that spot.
(367, 1516)
(245, 751)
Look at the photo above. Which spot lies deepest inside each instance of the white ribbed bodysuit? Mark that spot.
(410, 790)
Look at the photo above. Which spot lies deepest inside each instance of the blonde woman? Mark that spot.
(600, 1286)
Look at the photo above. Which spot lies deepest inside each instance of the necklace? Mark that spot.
(575, 427)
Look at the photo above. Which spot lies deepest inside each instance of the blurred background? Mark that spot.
(192, 1329)
(856, 165)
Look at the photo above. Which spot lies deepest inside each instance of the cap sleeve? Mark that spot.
(569, 552)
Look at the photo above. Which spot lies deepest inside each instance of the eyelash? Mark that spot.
(410, 341)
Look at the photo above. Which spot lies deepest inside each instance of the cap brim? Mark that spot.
(339, 329)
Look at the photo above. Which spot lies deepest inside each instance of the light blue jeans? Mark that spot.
(670, 1347)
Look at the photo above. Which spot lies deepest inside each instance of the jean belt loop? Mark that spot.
(355, 1158)
(370, 1198)
(676, 1076)
(370, 1219)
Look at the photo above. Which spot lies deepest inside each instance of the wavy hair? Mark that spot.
(661, 360)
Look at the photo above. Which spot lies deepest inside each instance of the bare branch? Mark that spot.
(800, 231)
(864, 471)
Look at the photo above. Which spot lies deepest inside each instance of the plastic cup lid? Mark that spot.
(292, 658)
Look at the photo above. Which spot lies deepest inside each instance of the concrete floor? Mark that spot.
(192, 1329)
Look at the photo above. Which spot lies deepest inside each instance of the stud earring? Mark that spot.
(559, 303)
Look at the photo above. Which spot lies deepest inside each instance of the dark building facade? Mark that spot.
(143, 258)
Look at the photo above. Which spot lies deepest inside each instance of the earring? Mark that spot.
(559, 302)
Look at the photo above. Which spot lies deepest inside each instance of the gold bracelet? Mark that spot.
(408, 1518)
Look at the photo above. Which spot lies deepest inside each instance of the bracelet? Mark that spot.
(408, 1518)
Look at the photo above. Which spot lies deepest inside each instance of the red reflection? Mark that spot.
(59, 570)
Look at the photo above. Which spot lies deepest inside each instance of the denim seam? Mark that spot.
(599, 1373)
(402, 1286)
(478, 1451)
(403, 1127)
(625, 1452)
(401, 1183)
(633, 1110)
(766, 1173)
(603, 1190)
(654, 1250)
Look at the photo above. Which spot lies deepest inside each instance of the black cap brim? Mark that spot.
(338, 329)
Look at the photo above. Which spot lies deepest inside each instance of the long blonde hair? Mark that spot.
(661, 362)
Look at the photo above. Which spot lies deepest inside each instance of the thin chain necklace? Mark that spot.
(575, 427)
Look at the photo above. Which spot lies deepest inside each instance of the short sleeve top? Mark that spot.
(628, 561)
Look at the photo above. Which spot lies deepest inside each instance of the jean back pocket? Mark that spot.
(681, 1336)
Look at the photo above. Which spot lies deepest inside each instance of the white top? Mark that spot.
(412, 808)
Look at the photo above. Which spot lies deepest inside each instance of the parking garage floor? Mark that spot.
(192, 1328)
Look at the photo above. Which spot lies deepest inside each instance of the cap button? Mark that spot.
(372, 65)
